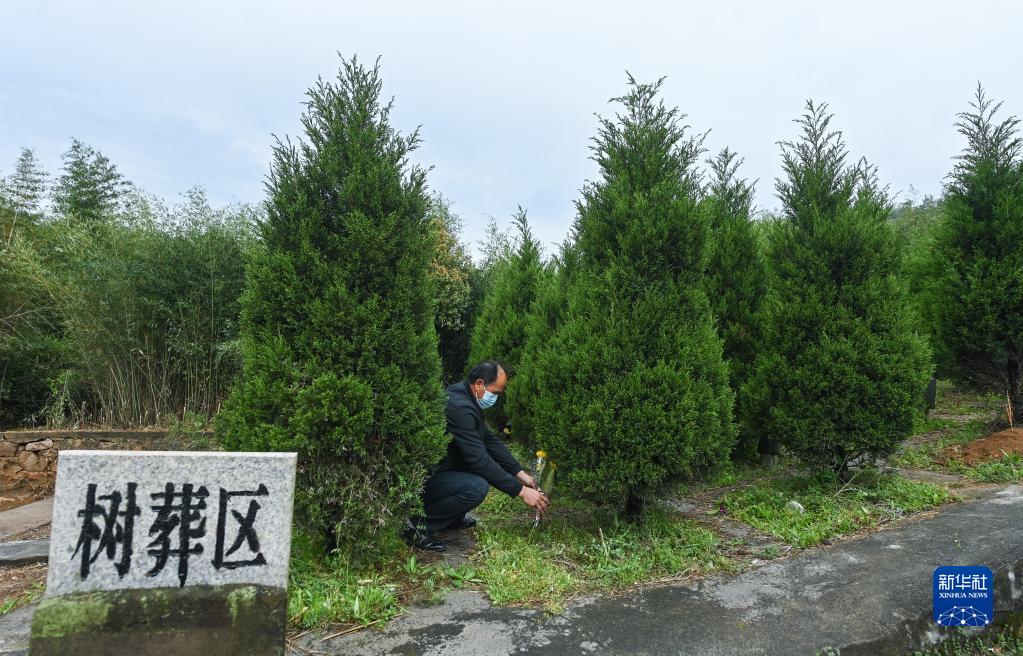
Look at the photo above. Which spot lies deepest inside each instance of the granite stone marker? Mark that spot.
(168, 552)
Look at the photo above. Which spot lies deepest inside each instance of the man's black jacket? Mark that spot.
(474, 448)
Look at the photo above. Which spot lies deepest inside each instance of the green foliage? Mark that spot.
(90, 188)
(632, 387)
(24, 599)
(843, 373)
(127, 321)
(322, 591)
(831, 508)
(1004, 640)
(1007, 469)
(978, 256)
(546, 313)
(579, 548)
(22, 191)
(338, 337)
(500, 331)
(457, 292)
(736, 279)
(917, 226)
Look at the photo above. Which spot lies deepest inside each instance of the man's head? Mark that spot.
(487, 377)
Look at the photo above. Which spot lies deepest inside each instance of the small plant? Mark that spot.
(831, 507)
(190, 432)
(23, 599)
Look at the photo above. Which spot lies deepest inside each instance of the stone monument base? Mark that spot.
(222, 620)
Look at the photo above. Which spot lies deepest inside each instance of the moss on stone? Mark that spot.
(241, 599)
(69, 615)
(241, 619)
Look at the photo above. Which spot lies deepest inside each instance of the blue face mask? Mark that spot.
(489, 399)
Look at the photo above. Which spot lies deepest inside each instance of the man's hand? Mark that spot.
(526, 479)
(534, 499)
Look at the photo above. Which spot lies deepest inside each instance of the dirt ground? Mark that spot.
(992, 447)
(16, 580)
(19, 579)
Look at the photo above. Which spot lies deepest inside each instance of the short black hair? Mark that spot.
(487, 370)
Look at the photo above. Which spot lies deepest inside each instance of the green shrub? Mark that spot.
(340, 350)
(978, 257)
(632, 387)
(736, 280)
(545, 314)
(843, 373)
(458, 292)
(500, 330)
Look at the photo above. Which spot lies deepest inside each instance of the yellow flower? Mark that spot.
(541, 454)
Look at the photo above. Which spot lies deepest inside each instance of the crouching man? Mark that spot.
(476, 459)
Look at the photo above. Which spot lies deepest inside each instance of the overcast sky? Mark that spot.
(184, 93)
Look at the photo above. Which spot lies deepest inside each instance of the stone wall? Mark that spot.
(28, 459)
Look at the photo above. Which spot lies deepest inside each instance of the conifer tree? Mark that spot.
(844, 372)
(632, 385)
(736, 278)
(454, 274)
(340, 350)
(545, 315)
(90, 187)
(500, 330)
(26, 186)
(978, 257)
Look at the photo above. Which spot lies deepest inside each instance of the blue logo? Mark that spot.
(963, 596)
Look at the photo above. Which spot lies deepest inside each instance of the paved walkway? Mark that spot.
(25, 518)
(870, 595)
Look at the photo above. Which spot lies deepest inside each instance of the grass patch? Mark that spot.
(1004, 643)
(329, 590)
(579, 548)
(1008, 469)
(23, 599)
(831, 508)
(928, 454)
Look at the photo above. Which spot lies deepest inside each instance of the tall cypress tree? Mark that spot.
(844, 372)
(978, 256)
(736, 278)
(546, 313)
(500, 329)
(633, 387)
(340, 350)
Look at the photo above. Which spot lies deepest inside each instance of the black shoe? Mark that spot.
(423, 540)
(464, 523)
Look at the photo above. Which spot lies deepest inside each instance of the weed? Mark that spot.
(25, 598)
(831, 508)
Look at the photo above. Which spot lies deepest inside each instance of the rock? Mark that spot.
(23, 437)
(30, 461)
(42, 445)
(243, 497)
(223, 521)
(8, 448)
(795, 505)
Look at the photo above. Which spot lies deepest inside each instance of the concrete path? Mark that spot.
(15, 627)
(870, 595)
(24, 552)
(24, 518)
